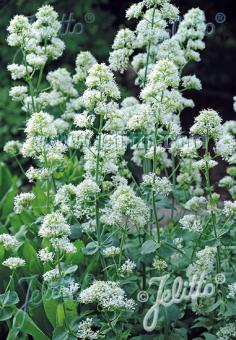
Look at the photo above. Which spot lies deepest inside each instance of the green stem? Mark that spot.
(148, 50)
(209, 192)
(20, 166)
(153, 192)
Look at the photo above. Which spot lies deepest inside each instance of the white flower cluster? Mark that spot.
(159, 264)
(204, 263)
(23, 201)
(232, 291)
(108, 295)
(85, 330)
(161, 186)
(14, 263)
(124, 203)
(229, 208)
(208, 123)
(12, 147)
(54, 225)
(111, 251)
(191, 223)
(45, 255)
(227, 332)
(195, 203)
(127, 267)
(8, 241)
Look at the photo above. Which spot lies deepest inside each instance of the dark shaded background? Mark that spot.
(97, 22)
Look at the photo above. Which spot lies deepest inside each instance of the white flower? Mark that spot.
(61, 125)
(70, 290)
(191, 82)
(83, 120)
(225, 146)
(125, 202)
(203, 163)
(55, 49)
(8, 241)
(127, 267)
(135, 11)
(19, 29)
(65, 197)
(41, 123)
(37, 174)
(36, 60)
(84, 61)
(51, 275)
(14, 262)
(170, 49)
(161, 185)
(52, 98)
(18, 71)
(185, 147)
(191, 223)
(195, 203)
(229, 208)
(13, 147)
(18, 93)
(165, 74)
(108, 295)
(159, 264)
(124, 39)
(227, 332)
(46, 22)
(232, 291)
(227, 182)
(23, 201)
(45, 255)
(169, 12)
(178, 242)
(85, 330)
(63, 244)
(111, 251)
(101, 78)
(76, 139)
(61, 80)
(207, 123)
(204, 263)
(54, 225)
(119, 59)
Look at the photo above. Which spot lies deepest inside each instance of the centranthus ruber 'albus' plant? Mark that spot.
(87, 233)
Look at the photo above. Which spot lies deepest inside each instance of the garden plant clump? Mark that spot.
(85, 235)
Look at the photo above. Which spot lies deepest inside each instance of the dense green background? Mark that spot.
(217, 69)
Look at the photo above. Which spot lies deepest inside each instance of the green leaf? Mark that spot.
(5, 179)
(60, 334)
(32, 260)
(7, 202)
(149, 247)
(9, 298)
(5, 313)
(50, 306)
(209, 336)
(78, 257)
(75, 232)
(60, 315)
(91, 248)
(164, 203)
(230, 309)
(70, 270)
(25, 324)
